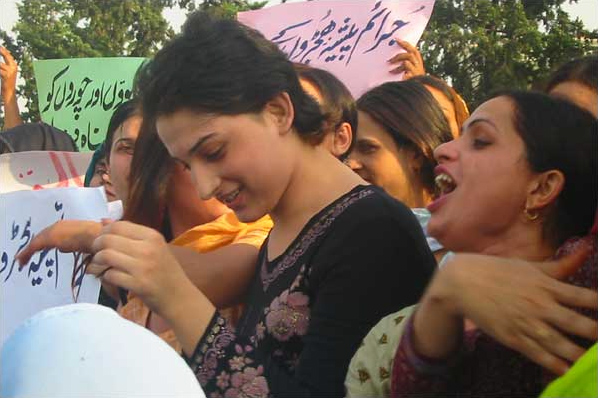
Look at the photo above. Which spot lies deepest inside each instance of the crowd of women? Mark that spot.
(323, 279)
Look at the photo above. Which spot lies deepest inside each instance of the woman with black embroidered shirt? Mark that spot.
(228, 105)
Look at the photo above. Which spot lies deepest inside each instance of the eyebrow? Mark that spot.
(368, 139)
(124, 139)
(476, 121)
(199, 143)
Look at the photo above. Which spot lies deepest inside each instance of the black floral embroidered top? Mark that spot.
(360, 258)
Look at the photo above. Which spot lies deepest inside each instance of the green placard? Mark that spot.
(78, 95)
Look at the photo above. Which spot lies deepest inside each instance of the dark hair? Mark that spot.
(561, 136)
(98, 156)
(413, 118)
(151, 169)
(223, 67)
(461, 111)
(35, 137)
(120, 115)
(583, 70)
(338, 105)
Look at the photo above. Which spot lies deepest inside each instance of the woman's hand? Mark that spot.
(66, 235)
(410, 61)
(520, 304)
(138, 259)
(69, 236)
(8, 89)
(8, 74)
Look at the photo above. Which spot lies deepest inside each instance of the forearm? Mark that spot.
(189, 314)
(416, 375)
(223, 275)
(437, 332)
(88, 236)
(12, 116)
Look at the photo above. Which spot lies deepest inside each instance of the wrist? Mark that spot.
(91, 233)
(440, 295)
(440, 307)
(438, 310)
(184, 300)
(430, 317)
(189, 313)
(9, 95)
(446, 288)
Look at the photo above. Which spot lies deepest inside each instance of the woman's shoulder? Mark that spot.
(367, 222)
(362, 223)
(372, 202)
(368, 206)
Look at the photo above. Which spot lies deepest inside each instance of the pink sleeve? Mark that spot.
(416, 375)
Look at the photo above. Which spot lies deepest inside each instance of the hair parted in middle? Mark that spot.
(222, 67)
(120, 115)
(412, 117)
(151, 170)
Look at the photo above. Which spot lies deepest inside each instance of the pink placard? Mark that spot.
(352, 39)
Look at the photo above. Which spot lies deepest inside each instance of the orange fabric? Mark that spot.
(223, 231)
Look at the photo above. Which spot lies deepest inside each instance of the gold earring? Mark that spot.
(531, 216)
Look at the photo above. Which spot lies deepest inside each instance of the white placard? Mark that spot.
(47, 280)
(38, 170)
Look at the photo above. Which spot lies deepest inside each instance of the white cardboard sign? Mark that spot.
(48, 279)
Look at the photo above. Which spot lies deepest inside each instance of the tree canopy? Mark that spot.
(479, 46)
(483, 46)
(90, 28)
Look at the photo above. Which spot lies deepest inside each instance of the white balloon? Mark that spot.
(86, 350)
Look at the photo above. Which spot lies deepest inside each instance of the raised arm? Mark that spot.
(528, 312)
(8, 89)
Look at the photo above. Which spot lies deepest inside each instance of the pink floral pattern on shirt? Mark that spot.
(249, 383)
(231, 362)
(285, 319)
(288, 315)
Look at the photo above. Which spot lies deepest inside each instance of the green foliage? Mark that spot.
(91, 28)
(479, 45)
(483, 46)
(84, 28)
(222, 8)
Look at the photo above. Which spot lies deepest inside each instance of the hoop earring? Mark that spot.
(530, 216)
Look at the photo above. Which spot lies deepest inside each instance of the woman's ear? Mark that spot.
(342, 138)
(544, 190)
(280, 109)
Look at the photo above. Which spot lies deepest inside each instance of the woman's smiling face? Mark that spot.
(241, 159)
(484, 176)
